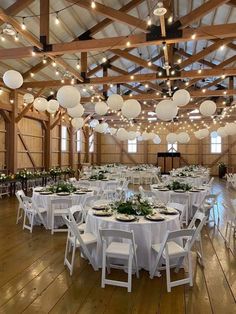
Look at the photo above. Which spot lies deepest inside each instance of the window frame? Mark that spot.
(64, 139)
(132, 146)
(91, 143)
(78, 141)
(216, 145)
(172, 148)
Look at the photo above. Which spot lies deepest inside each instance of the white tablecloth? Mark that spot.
(194, 181)
(146, 233)
(102, 184)
(45, 202)
(195, 198)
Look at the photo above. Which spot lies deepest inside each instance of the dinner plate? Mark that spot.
(163, 190)
(155, 217)
(201, 189)
(39, 190)
(169, 211)
(63, 193)
(194, 191)
(79, 193)
(125, 218)
(179, 191)
(99, 207)
(45, 193)
(102, 213)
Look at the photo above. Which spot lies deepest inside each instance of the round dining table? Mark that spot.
(45, 202)
(146, 233)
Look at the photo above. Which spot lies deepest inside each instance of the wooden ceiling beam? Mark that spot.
(200, 11)
(113, 14)
(205, 32)
(138, 78)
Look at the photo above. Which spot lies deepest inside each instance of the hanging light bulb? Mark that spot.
(93, 5)
(16, 37)
(104, 59)
(72, 81)
(78, 65)
(44, 60)
(57, 72)
(54, 63)
(2, 37)
(149, 21)
(128, 44)
(23, 26)
(57, 21)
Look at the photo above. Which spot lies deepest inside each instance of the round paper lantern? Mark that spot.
(101, 108)
(104, 127)
(200, 134)
(12, 79)
(93, 123)
(151, 136)
(52, 106)
(181, 97)
(28, 98)
(68, 96)
(122, 134)
(222, 132)
(132, 135)
(156, 140)
(166, 110)
(112, 131)
(131, 109)
(138, 133)
(77, 123)
(183, 137)
(207, 108)
(145, 136)
(140, 138)
(98, 128)
(40, 104)
(230, 128)
(76, 112)
(214, 134)
(171, 138)
(115, 102)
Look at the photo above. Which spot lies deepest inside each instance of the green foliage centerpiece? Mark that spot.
(176, 185)
(62, 187)
(99, 176)
(134, 205)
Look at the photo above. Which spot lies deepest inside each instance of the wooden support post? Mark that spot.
(86, 141)
(105, 86)
(145, 152)
(71, 147)
(48, 145)
(200, 152)
(99, 143)
(12, 135)
(44, 21)
(84, 64)
(118, 89)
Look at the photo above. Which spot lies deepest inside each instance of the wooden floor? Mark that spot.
(33, 278)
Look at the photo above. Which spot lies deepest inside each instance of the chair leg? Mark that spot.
(103, 268)
(201, 252)
(66, 250)
(168, 274)
(190, 269)
(108, 265)
(130, 272)
(72, 259)
(52, 230)
(24, 221)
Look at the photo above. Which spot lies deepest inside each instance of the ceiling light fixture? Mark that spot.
(160, 10)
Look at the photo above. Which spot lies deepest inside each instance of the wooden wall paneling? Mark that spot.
(12, 138)
(48, 145)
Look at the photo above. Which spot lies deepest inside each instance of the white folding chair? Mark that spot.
(76, 240)
(181, 198)
(231, 222)
(169, 250)
(199, 218)
(31, 210)
(136, 178)
(181, 208)
(59, 207)
(20, 194)
(118, 250)
(209, 204)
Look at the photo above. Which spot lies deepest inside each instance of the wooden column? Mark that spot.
(44, 21)
(99, 142)
(12, 135)
(71, 147)
(48, 145)
(86, 141)
(200, 152)
(84, 64)
(145, 152)
(60, 152)
(105, 87)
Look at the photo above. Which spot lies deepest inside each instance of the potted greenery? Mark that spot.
(222, 170)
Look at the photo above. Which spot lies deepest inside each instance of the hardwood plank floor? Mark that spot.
(33, 278)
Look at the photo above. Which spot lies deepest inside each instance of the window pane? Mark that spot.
(91, 143)
(172, 148)
(63, 138)
(132, 146)
(216, 145)
(78, 141)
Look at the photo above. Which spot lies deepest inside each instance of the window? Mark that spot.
(216, 144)
(172, 148)
(91, 143)
(132, 146)
(63, 138)
(78, 141)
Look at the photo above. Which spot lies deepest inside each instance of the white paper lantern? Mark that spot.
(183, 138)
(145, 136)
(115, 102)
(172, 138)
(112, 131)
(122, 134)
(93, 123)
(77, 123)
(214, 134)
(52, 106)
(76, 112)
(166, 110)
(200, 134)
(138, 134)
(207, 108)
(104, 127)
(181, 97)
(222, 132)
(98, 128)
(12, 79)
(68, 96)
(40, 104)
(140, 138)
(28, 98)
(131, 109)
(132, 135)
(230, 128)
(101, 108)
(156, 140)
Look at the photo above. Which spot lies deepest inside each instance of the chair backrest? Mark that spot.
(201, 218)
(20, 194)
(61, 203)
(90, 200)
(211, 181)
(73, 229)
(30, 205)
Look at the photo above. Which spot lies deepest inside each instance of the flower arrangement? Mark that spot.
(134, 205)
(54, 172)
(24, 175)
(62, 187)
(99, 176)
(222, 165)
(176, 185)
(69, 171)
(4, 177)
